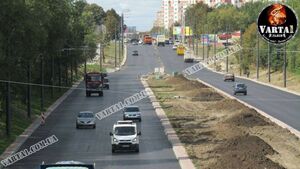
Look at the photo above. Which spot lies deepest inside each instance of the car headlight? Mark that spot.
(115, 140)
(134, 140)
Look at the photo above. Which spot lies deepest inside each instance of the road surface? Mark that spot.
(88, 145)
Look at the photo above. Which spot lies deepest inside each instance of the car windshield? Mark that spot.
(93, 78)
(85, 115)
(240, 85)
(131, 109)
(123, 131)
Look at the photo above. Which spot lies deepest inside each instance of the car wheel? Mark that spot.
(101, 94)
(140, 120)
(233, 80)
(234, 93)
(113, 150)
(137, 149)
(77, 127)
(107, 87)
(94, 126)
(87, 94)
(245, 93)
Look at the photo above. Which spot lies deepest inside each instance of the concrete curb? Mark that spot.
(184, 161)
(271, 118)
(15, 146)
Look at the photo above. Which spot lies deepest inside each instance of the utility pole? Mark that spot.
(8, 109)
(28, 90)
(241, 52)
(71, 67)
(203, 53)
(257, 58)
(59, 70)
(84, 54)
(100, 56)
(52, 76)
(269, 63)
(197, 45)
(116, 46)
(122, 27)
(215, 51)
(226, 48)
(42, 82)
(120, 34)
(284, 66)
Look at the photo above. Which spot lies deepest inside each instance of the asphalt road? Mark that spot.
(88, 145)
(279, 104)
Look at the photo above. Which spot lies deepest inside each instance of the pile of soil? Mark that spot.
(244, 152)
(181, 83)
(221, 133)
(248, 118)
(226, 104)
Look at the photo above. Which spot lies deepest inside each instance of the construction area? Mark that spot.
(219, 132)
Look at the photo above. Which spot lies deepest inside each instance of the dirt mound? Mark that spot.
(181, 83)
(226, 104)
(204, 95)
(248, 118)
(244, 152)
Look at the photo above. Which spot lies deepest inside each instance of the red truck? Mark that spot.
(94, 83)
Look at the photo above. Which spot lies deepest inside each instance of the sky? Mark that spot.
(139, 13)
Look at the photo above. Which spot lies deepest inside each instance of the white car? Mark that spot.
(125, 137)
(132, 113)
(188, 57)
(174, 47)
(68, 165)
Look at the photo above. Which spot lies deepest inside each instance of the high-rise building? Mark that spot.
(172, 11)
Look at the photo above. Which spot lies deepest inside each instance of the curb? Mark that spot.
(15, 146)
(181, 155)
(271, 118)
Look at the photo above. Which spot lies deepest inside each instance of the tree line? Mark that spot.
(45, 42)
(228, 18)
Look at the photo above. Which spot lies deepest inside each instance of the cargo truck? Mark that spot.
(94, 83)
(161, 40)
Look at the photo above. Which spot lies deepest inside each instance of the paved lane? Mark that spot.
(88, 145)
(279, 104)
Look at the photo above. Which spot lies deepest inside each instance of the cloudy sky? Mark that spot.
(141, 12)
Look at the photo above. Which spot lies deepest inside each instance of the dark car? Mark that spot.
(105, 83)
(134, 43)
(167, 42)
(229, 76)
(239, 88)
(135, 53)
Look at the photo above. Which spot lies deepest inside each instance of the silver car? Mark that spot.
(85, 119)
(132, 113)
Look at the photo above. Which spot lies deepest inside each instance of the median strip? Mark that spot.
(219, 132)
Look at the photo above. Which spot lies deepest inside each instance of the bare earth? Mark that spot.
(220, 133)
